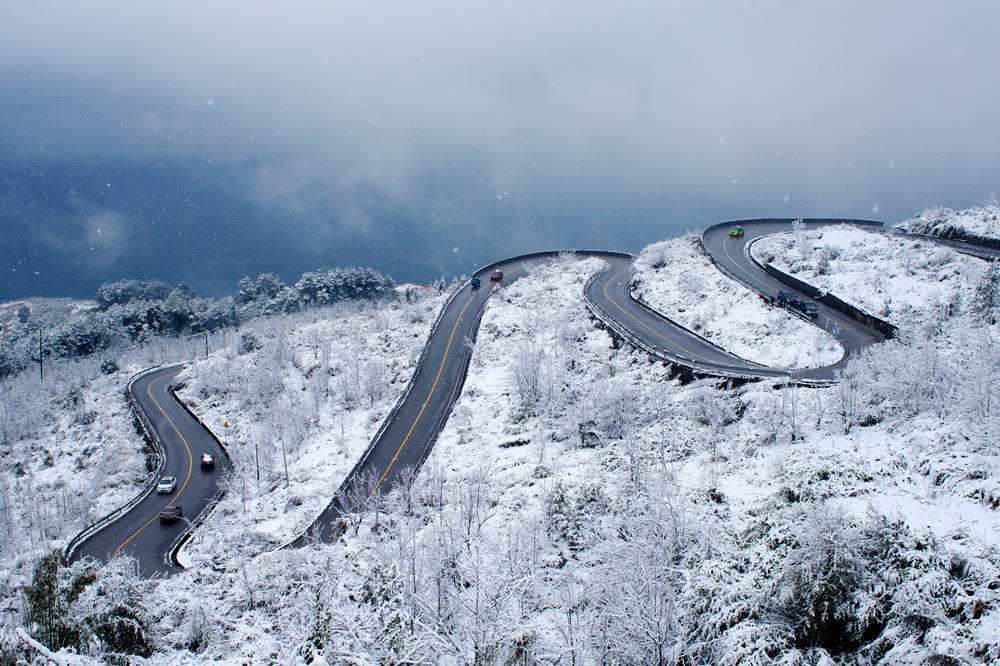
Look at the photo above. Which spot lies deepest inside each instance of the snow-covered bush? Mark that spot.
(126, 291)
(98, 612)
(978, 221)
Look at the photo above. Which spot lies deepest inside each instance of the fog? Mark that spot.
(194, 142)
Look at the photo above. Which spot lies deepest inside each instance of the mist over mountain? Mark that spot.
(184, 142)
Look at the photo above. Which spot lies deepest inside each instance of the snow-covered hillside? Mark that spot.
(305, 397)
(69, 455)
(979, 221)
(581, 507)
(578, 502)
(676, 278)
(912, 283)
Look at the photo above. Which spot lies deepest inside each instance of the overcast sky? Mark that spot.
(202, 141)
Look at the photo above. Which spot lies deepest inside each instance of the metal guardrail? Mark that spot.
(159, 454)
(170, 557)
(695, 365)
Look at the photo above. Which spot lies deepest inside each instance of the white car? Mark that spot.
(167, 485)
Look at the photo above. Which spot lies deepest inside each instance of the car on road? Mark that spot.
(167, 485)
(496, 276)
(207, 461)
(475, 283)
(737, 232)
(171, 514)
(809, 309)
(793, 301)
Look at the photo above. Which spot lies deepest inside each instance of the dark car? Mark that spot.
(475, 283)
(207, 461)
(809, 309)
(496, 276)
(793, 301)
(171, 514)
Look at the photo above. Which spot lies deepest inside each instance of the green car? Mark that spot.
(736, 232)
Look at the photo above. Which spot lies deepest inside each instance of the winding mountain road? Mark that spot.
(406, 438)
(138, 531)
(407, 435)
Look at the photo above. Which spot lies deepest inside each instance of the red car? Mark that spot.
(171, 514)
(496, 276)
(207, 461)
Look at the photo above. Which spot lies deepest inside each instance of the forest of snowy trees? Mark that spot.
(134, 311)
(579, 507)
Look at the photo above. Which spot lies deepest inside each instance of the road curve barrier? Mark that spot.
(707, 369)
(884, 328)
(170, 557)
(158, 455)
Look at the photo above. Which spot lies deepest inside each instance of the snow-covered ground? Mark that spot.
(581, 507)
(676, 278)
(312, 394)
(911, 283)
(977, 221)
(69, 455)
(579, 502)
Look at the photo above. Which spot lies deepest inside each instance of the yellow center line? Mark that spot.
(644, 324)
(149, 392)
(433, 387)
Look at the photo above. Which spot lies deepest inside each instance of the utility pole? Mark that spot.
(284, 457)
(206, 345)
(256, 460)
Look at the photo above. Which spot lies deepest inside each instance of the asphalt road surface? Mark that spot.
(608, 292)
(406, 438)
(139, 532)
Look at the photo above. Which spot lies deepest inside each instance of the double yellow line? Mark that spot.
(149, 392)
